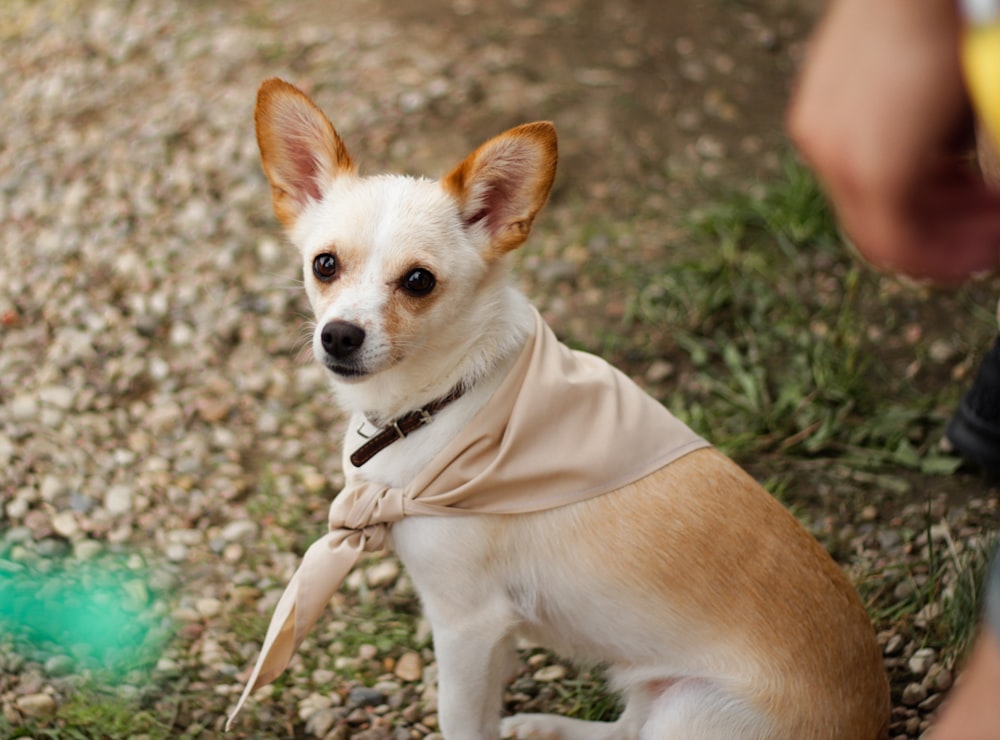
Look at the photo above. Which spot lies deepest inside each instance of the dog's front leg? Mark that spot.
(474, 659)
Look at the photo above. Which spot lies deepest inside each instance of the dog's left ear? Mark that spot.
(504, 183)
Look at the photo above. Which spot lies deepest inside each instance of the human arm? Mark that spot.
(880, 113)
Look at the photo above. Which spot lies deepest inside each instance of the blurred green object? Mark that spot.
(100, 616)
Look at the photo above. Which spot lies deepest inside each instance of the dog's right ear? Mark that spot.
(299, 148)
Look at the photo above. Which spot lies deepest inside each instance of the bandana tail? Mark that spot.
(324, 567)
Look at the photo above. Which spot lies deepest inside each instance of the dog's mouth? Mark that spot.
(347, 372)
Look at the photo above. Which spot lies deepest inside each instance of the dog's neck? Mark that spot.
(485, 339)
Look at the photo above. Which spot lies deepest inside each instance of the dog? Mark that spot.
(716, 612)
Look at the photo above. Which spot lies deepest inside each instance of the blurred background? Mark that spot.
(168, 450)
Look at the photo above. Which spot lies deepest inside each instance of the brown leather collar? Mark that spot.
(403, 426)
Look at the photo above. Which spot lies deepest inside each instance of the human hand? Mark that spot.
(881, 114)
(972, 711)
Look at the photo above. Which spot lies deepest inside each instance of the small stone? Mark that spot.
(921, 660)
(931, 703)
(81, 503)
(51, 488)
(362, 696)
(233, 552)
(322, 676)
(176, 552)
(313, 703)
(163, 418)
(65, 525)
(23, 408)
(38, 705)
(208, 607)
(167, 665)
(51, 547)
(550, 673)
(913, 694)
(314, 481)
(894, 644)
(181, 334)
(213, 410)
(58, 396)
(240, 530)
(939, 678)
(118, 500)
(383, 574)
(658, 371)
(86, 549)
(59, 665)
(320, 722)
(409, 667)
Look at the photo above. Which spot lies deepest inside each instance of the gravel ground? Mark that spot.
(167, 450)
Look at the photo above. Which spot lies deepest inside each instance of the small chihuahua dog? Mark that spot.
(716, 613)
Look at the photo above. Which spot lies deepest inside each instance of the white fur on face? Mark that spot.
(380, 229)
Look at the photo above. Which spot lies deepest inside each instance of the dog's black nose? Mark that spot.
(341, 339)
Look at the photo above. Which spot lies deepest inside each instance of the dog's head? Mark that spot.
(395, 266)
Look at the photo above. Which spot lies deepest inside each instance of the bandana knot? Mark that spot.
(368, 508)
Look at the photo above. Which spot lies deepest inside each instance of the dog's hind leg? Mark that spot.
(695, 709)
(554, 727)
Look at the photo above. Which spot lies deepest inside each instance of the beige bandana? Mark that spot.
(564, 426)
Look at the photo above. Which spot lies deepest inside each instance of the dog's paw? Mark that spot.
(554, 727)
(530, 727)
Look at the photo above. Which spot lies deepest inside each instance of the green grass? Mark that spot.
(773, 324)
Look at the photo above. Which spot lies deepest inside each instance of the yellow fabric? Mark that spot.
(981, 60)
(564, 426)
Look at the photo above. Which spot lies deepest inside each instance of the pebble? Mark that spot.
(176, 552)
(894, 644)
(86, 549)
(208, 607)
(118, 499)
(658, 371)
(321, 721)
(323, 676)
(59, 665)
(921, 660)
(65, 524)
(313, 703)
(241, 531)
(410, 666)
(913, 694)
(382, 574)
(51, 488)
(38, 706)
(362, 696)
(58, 396)
(550, 673)
(23, 407)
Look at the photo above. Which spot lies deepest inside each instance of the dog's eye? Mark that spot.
(325, 267)
(419, 282)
